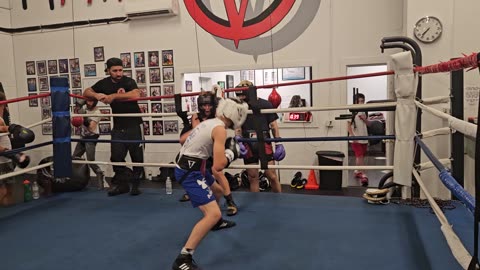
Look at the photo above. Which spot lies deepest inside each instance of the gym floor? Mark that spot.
(88, 230)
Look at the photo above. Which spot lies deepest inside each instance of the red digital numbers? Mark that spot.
(294, 116)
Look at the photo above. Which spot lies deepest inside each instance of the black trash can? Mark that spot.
(330, 180)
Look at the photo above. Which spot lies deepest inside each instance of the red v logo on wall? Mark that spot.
(236, 28)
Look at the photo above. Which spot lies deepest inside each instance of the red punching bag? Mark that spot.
(275, 98)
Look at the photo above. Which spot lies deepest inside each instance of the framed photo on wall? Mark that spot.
(143, 107)
(188, 86)
(30, 65)
(157, 127)
(146, 128)
(167, 58)
(105, 110)
(139, 58)
(170, 126)
(105, 128)
(63, 65)
(90, 70)
(76, 80)
(74, 65)
(126, 60)
(169, 107)
(43, 83)
(156, 107)
(153, 59)
(140, 76)
(230, 82)
(155, 91)
(155, 75)
(44, 102)
(168, 75)
(127, 73)
(52, 67)
(42, 67)
(98, 54)
(32, 84)
(47, 129)
(33, 102)
(169, 89)
(289, 74)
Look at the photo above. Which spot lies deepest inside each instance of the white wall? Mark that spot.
(456, 18)
(343, 33)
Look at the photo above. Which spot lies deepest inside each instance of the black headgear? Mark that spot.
(242, 84)
(207, 98)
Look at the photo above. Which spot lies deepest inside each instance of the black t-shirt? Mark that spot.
(265, 118)
(107, 86)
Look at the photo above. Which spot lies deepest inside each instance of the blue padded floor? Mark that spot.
(88, 230)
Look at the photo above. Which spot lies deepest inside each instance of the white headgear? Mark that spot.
(233, 109)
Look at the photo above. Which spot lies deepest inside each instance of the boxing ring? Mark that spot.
(88, 230)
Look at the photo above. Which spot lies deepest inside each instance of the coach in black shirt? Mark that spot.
(114, 90)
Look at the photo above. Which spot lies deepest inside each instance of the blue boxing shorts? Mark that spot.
(197, 186)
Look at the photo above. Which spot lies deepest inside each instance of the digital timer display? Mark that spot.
(299, 116)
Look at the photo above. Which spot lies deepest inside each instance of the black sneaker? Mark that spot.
(223, 224)
(185, 262)
(232, 208)
(119, 189)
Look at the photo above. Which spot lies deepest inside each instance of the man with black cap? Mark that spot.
(115, 90)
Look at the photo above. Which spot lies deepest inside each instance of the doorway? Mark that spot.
(374, 88)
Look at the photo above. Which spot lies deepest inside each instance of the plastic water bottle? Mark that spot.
(27, 191)
(35, 191)
(168, 186)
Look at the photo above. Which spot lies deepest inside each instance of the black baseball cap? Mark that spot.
(113, 62)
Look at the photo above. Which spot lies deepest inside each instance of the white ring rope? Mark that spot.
(287, 167)
(30, 126)
(297, 109)
(22, 171)
(464, 127)
(436, 132)
(436, 100)
(428, 165)
(456, 246)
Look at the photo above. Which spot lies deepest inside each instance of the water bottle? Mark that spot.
(168, 186)
(35, 191)
(27, 191)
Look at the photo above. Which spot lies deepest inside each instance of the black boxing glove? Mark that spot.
(21, 134)
(232, 150)
(20, 159)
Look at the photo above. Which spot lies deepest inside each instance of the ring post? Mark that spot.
(62, 150)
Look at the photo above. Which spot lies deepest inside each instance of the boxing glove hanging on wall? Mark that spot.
(24, 4)
(62, 3)
(52, 4)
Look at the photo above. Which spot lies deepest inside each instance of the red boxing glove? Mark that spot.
(77, 121)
